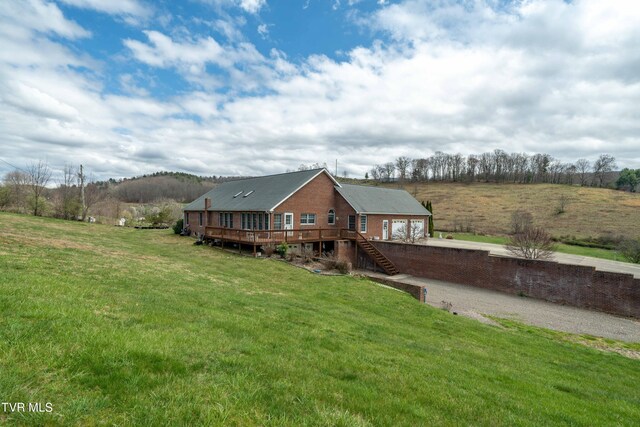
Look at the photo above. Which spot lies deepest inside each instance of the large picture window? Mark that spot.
(331, 217)
(307, 219)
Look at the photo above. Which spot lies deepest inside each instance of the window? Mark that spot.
(226, 219)
(186, 219)
(277, 221)
(243, 221)
(331, 218)
(266, 221)
(352, 222)
(363, 223)
(254, 224)
(260, 221)
(200, 218)
(307, 219)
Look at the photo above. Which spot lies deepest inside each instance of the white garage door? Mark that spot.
(399, 229)
(418, 228)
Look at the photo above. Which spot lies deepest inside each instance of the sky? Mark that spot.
(251, 87)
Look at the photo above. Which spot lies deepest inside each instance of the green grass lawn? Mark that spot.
(139, 327)
(560, 247)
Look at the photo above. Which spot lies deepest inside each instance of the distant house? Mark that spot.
(306, 209)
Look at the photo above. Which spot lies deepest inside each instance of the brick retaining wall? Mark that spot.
(579, 286)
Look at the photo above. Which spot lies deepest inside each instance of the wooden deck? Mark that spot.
(262, 237)
(257, 238)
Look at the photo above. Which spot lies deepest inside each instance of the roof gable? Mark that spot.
(376, 200)
(260, 194)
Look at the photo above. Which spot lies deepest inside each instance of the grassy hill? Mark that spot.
(139, 327)
(487, 208)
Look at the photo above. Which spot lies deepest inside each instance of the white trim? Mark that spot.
(366, 223)
(334, 216)
(308, 181)
(315, 217)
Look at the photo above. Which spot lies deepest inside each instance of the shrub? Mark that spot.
(282, 249)
(178, 226)
(159, 216)
(268, 250)
(520, 220)
(531, 243)
(630, 249)
(343, 267)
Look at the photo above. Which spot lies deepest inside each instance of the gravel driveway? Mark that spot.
(477, 302)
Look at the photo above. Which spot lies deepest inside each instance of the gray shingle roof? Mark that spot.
(372, 200)
(266, 192)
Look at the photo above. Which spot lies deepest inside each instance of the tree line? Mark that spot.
(28, 190)
(74, 194)
(501, 167)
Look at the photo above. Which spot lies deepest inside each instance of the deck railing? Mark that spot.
(279, 236)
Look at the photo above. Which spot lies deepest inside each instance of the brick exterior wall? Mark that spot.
(317, 197)
(579, 286)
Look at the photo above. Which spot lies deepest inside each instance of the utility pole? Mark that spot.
(84, 209)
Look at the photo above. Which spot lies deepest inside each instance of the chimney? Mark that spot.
(207, 205)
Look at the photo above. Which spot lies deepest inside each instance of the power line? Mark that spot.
(13, 166)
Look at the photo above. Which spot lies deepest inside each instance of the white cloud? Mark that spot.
(263, 30)
(164, 52)
(113, 7)
(252, 6)
(541, 76)
(43, 17)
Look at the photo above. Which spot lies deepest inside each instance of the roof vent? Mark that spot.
(248, 193)
(236, 195)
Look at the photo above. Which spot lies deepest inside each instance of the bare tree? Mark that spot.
(389, 171)
(17, 184)
(402, 165)
(563, 202)
(601, 167)
(583, 166)
(92, 195)
(5, 197)
(520, 220)
(531, 243)
(66, 198)
(39, 176)
(375, 173)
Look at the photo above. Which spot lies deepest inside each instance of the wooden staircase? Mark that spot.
(376, 255)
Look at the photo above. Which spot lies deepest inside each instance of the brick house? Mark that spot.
(306, 209)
